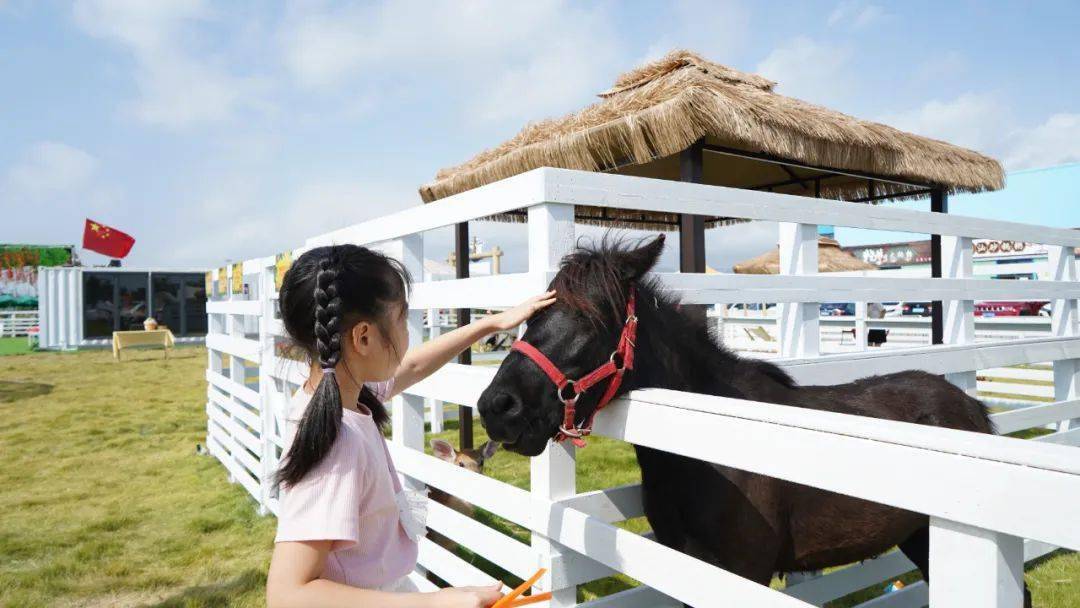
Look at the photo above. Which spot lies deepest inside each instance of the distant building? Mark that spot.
(992, 259)
(81, 306)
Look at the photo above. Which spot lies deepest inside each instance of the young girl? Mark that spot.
(342, 539)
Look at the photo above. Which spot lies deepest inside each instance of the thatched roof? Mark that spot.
(830, 259)
(652, 113)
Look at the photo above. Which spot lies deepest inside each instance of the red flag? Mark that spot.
(105, 240)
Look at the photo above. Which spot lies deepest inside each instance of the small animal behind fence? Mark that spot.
(471, 460)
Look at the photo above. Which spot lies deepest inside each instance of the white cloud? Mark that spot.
(178, 85)
(971, 120)
(49, 169)
(1054, 142)
(810, 70)
(856, 14)
(506, 61)
(985, 123)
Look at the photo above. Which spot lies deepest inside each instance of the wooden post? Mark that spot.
(553, 474)
(435, 406)
(860, 325)
(939, 203)
(268, 459)
(407, 420)
(1063, 322)
(971, 567)
(958, 323)
(798, 322)
(464, 315)
(692, 227)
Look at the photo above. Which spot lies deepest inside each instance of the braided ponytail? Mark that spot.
(326, 291)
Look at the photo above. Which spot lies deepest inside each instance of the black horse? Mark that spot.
(749, 524)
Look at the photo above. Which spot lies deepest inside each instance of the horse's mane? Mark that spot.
(590, 275)
(590, 282)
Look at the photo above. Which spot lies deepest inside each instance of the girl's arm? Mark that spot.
(422, 361)
(294, 580)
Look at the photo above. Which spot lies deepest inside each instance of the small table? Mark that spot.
(154, 337)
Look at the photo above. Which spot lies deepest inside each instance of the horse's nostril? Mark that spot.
(503, 404)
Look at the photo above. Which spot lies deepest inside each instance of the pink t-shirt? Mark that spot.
(349, 498)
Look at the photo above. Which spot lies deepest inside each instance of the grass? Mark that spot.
(105, 502)
(14, 346)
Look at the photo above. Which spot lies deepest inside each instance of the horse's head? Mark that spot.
(578, 334)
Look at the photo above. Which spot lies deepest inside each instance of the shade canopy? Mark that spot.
(830, 259)
(752, 138)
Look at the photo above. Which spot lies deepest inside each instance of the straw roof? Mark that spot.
(652, 113)
(830, 259)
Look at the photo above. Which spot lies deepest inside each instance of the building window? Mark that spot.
(99, 305)
(194, 305)
(167, 302)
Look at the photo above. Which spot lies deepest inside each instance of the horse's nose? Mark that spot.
(501, 405)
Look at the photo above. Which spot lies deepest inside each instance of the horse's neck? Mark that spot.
(676, 351)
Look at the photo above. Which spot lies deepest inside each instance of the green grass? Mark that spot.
(14, 346)
(105, 502)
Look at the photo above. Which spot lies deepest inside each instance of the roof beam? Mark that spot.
(780, 161)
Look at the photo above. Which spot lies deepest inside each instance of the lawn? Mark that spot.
(14, 346)
(106, 502)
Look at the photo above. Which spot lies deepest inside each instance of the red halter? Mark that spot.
(624, 352)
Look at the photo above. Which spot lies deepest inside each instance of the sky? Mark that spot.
(226, 131)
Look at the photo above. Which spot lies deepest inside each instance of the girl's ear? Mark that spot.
(443, 450)
(361, 337)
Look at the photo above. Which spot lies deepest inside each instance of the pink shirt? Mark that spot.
(349, 498)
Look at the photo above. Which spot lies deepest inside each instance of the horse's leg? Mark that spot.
(917, 549)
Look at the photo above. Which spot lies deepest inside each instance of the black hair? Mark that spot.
(323, 295)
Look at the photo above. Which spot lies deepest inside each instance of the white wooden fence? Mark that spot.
(17, 322)
(994, 502)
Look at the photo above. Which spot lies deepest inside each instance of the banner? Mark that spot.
(223, 281)
(209, 285)
(19, 271)
(282, 263)
(238, 277)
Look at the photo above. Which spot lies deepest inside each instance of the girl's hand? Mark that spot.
(468, 597)
(509, 319)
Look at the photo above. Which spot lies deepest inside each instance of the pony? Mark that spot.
(749, 524)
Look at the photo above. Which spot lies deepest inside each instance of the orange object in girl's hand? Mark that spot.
(508, 600)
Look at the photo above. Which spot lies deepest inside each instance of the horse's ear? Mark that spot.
(636, 262)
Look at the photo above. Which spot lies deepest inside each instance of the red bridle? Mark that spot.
(624, 352)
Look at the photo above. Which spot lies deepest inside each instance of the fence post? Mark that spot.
(552, 475)
(1063, 322)
(798, 322)
(407, 421)
(435, 406)
(958, 315)
(973, 567)
(268, 458)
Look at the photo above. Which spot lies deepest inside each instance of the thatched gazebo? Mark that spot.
(688, 119)
(831, 258)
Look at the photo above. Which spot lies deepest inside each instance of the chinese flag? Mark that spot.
(105, 240)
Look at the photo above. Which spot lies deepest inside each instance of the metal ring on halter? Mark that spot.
(622, 360)
(631, 318)
(559, 392)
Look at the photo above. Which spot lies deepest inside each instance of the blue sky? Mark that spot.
(215, 131)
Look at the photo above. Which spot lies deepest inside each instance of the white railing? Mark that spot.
(17, 322)
(994, 502)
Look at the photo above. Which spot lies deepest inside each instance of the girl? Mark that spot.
(342, 539)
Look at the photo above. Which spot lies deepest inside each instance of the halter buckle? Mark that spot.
(621, 365)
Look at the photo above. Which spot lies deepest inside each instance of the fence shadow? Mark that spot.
(220, 594)
(12, 391)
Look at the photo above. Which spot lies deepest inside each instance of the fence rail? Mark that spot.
(15, 323)
(996, 501)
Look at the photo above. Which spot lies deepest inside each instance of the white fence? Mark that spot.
(17, 322)
(994, 502)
